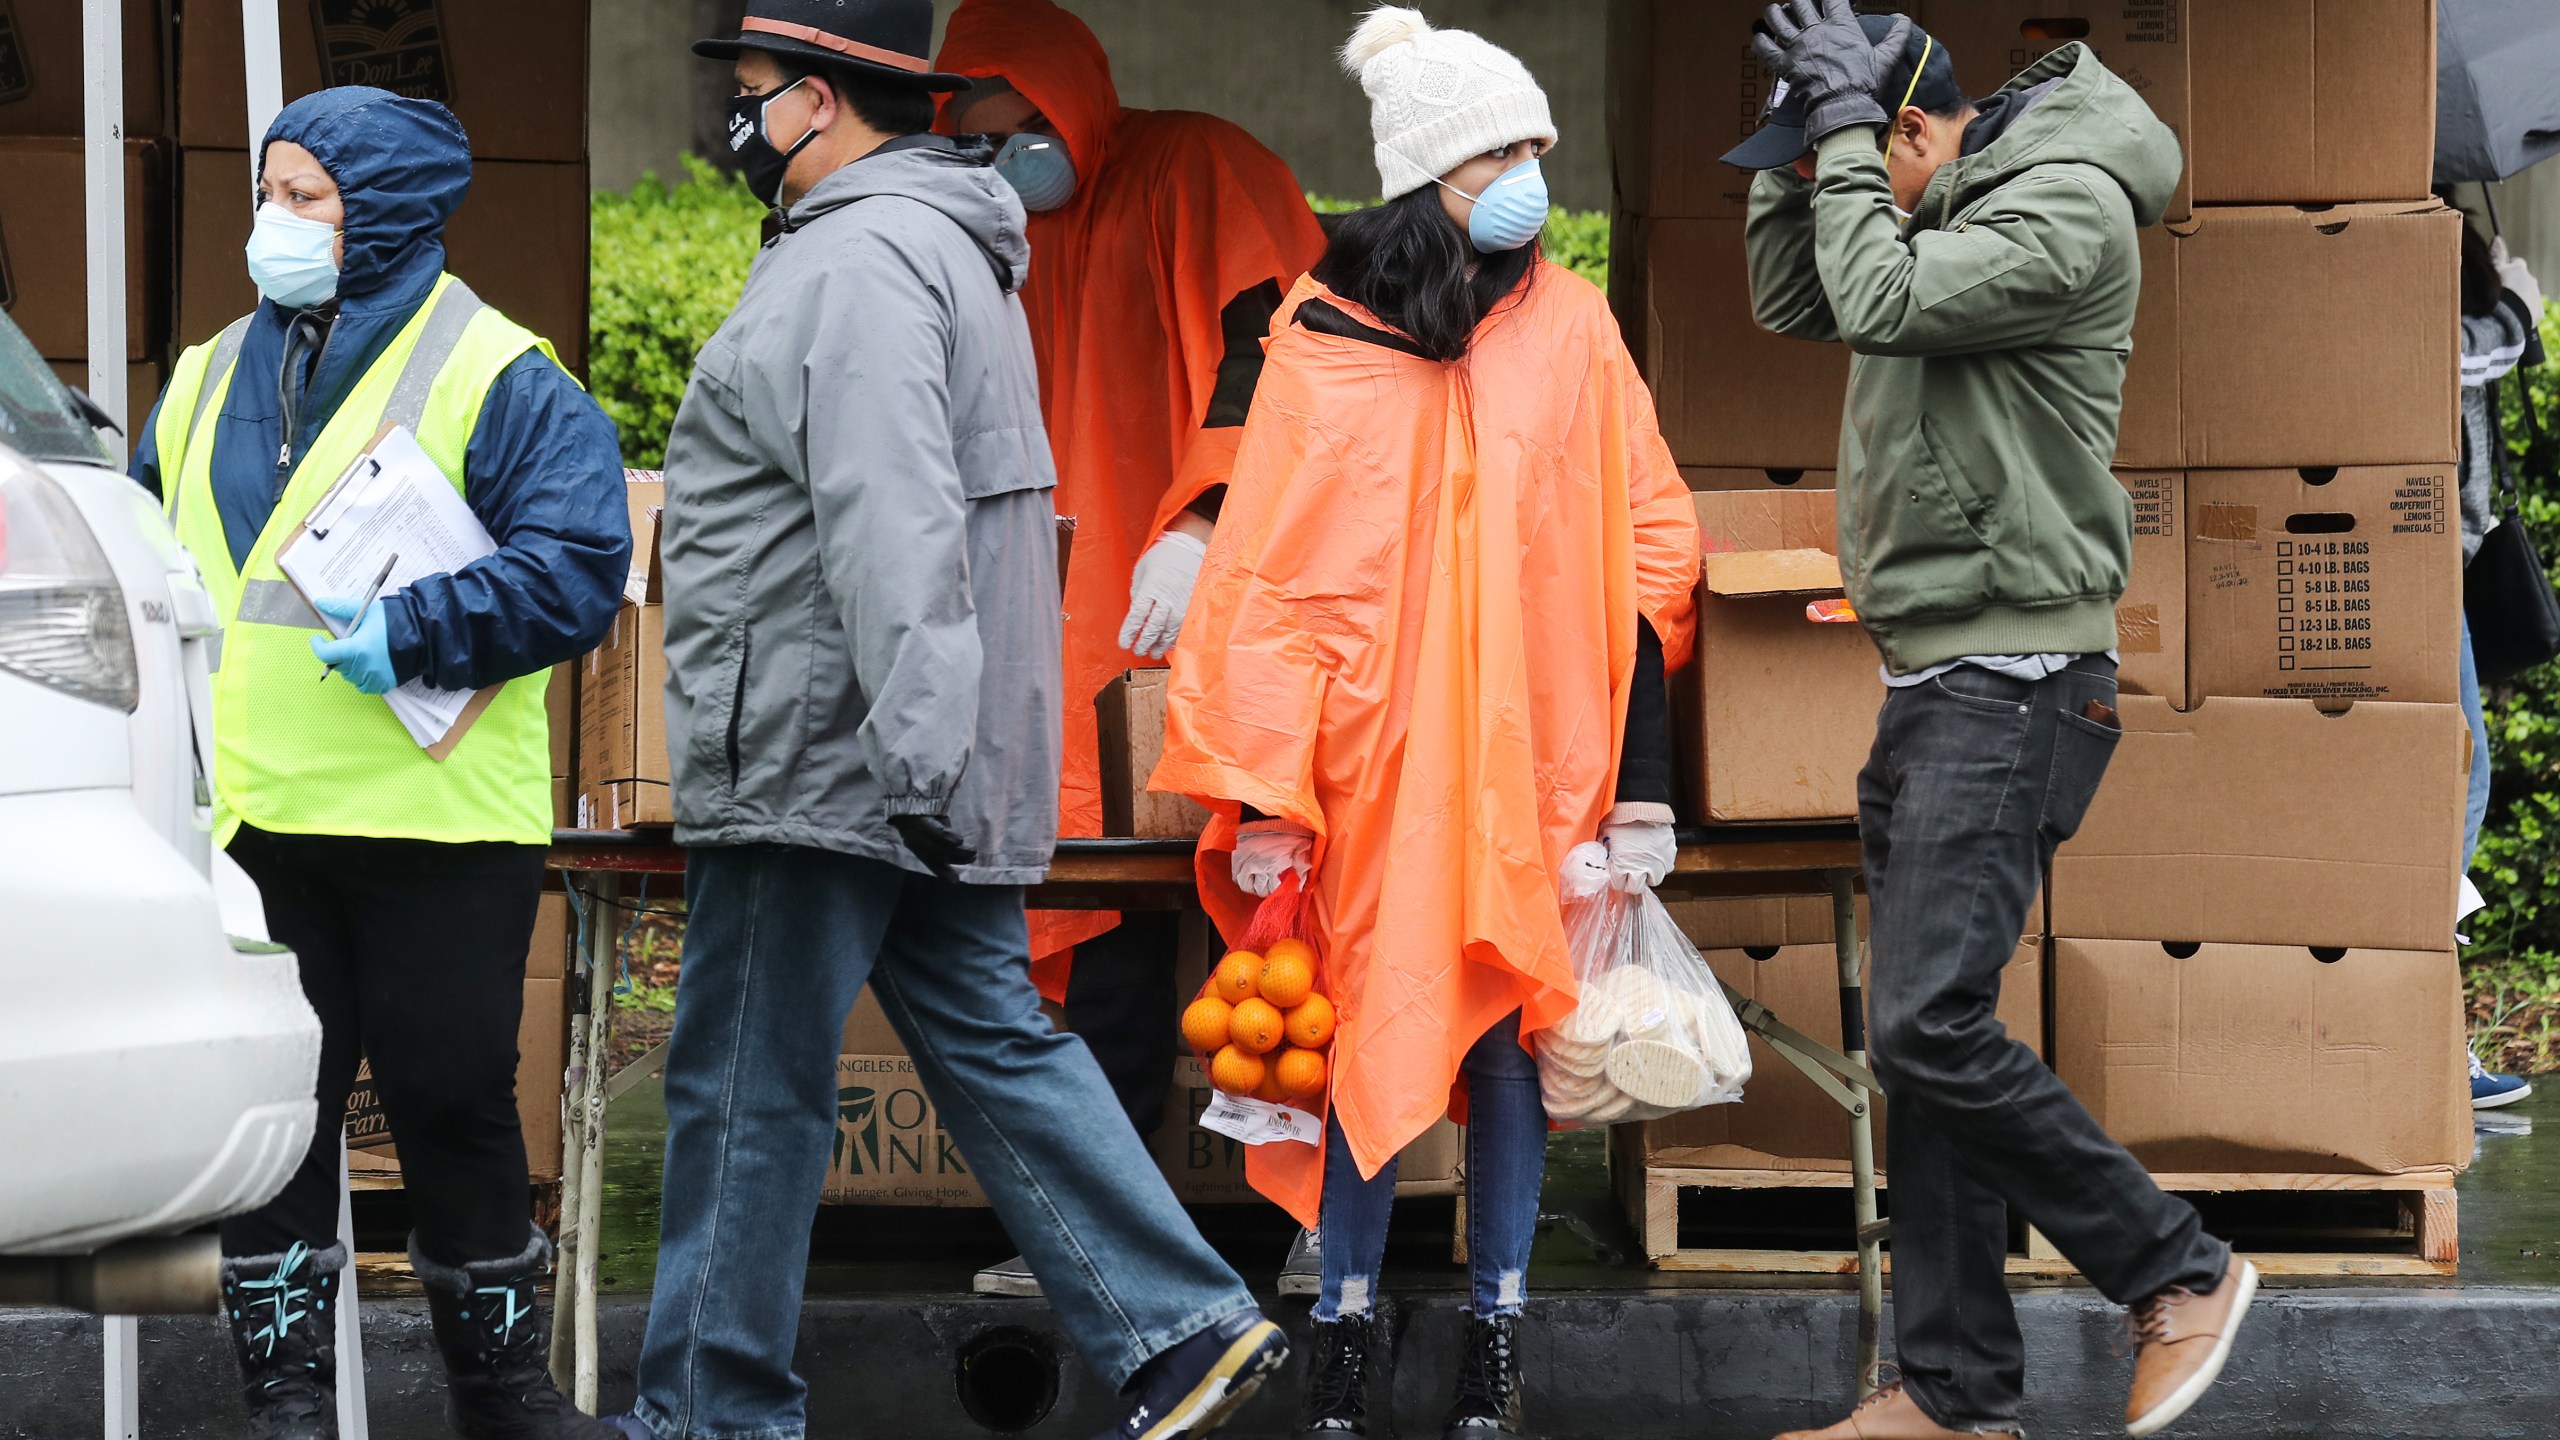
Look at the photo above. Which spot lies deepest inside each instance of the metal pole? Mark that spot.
(102, 127)
(262, 42)
(123, 1338)
(352, 1424)
(573, 1149)
(602, 964)
(1862, 1135)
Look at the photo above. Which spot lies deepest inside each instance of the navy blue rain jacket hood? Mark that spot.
(544, 469)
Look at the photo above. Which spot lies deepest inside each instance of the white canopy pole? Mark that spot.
(265, 57)
(102, 122)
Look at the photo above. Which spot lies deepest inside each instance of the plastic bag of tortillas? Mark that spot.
(1653, 1034)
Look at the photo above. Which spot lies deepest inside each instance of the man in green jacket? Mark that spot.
(1980, 261)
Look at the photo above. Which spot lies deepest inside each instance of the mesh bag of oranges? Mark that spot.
(1653, 1033)
(1263, 1027)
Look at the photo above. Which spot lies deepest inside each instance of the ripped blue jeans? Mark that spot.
(1506, 1163)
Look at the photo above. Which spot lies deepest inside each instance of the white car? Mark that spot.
(157, 1058)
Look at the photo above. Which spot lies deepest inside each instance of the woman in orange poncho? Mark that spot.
(1425, 660)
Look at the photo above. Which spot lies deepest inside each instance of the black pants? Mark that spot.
(1974, 779)
(1120, 1000)
(413, 954)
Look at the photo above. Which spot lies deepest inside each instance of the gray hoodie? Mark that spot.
(860, 558)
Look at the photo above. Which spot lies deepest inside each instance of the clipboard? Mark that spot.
(365, 464)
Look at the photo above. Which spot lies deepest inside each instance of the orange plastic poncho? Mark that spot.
(1174, 215)
(1415, 635)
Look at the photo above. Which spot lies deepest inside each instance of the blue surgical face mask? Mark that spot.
(1510, 212)
(293, 260)
(1038, 168)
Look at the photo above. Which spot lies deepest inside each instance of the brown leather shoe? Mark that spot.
(2182, 1338)
(1891, 1414)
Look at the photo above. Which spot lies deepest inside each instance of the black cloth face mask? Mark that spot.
(758, 161)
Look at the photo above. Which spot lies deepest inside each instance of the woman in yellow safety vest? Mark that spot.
(405, 883)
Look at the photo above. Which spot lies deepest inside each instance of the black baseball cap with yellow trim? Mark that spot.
(1780, 141)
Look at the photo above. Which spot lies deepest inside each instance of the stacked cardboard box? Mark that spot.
(621, 754)
(44, 256)
(891, 1147)
(2291, 769)
(514, 75)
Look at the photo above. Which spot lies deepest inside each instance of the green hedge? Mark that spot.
(669, 261)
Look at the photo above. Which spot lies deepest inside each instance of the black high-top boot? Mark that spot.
(1490, 1406)
(283, 1311)
(1338, 1380)
(496, 1342)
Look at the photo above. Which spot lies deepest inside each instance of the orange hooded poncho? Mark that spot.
(1415, 635)
(1174, 215)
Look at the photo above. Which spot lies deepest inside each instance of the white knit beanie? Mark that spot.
(1438, 98)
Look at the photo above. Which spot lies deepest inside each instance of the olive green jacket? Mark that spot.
(1977, 513)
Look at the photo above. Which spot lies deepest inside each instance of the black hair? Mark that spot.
(892, 107)
(1406, 262)
(2482, 290)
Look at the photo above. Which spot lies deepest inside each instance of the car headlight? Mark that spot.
(62, 614)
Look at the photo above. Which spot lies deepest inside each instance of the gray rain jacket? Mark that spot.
(859, 548)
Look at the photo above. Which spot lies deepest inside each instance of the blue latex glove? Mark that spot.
(363, 658)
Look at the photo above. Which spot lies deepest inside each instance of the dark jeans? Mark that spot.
(413, 954)
(779, 941)
(1974, 779)
(1120, 1001)
(1506, 1166)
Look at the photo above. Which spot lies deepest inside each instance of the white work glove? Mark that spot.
(2513, 274)
(1641, 847)
(1269, 849)
(1159, 593)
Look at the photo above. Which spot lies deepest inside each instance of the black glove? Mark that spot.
(932, 840)
(1819, 47)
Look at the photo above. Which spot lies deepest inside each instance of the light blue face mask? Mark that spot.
(1039, 170)
(1511, 211)
(292, 259)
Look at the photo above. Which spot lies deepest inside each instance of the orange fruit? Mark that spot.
(1237, 1072)
(1270, 1090)
(1310, 1025)
(1237, 976)
(1298, 950)
(1287, 978)
(1300, 1073)
(1204, 1024)
(1255, 1026)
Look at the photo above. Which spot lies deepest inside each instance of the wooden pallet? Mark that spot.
(2417, 1235)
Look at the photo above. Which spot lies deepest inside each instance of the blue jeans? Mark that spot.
(1506, 1163)
(779, 942)
(2476, 808)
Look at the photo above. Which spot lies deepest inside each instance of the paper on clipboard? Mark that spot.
(393, 502)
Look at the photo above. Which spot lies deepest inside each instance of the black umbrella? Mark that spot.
(2497, 87)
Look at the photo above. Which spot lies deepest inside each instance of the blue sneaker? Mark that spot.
(2488, 1091)
(1197, 1385)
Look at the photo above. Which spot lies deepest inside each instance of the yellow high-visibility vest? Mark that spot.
(295, 756)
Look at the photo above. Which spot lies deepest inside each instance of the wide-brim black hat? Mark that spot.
(1780, 142)
(889, 38)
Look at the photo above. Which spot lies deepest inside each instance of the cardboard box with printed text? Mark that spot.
(2151, 619)
(622, 766)
(2230, 1058)
(1776, 714)
(42, 72)
(2271, 822)
(1727, 392)
(2328, 584)
(514, 74)
(2146, 43)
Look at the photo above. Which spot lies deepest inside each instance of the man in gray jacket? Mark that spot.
(862, 639)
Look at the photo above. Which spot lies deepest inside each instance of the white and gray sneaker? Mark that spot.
(1013, 1277)
(1302, 1274)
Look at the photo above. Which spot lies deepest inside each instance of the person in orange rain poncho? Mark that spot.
(1161, 241)
(1425, 658)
